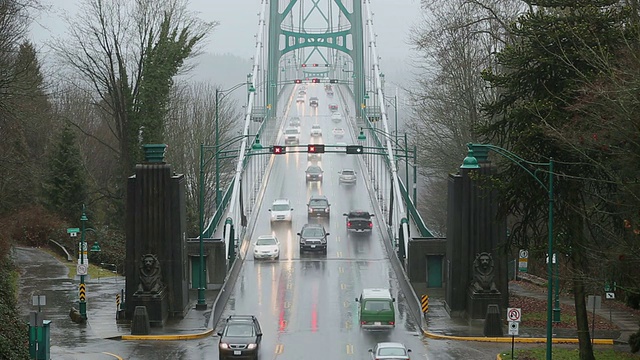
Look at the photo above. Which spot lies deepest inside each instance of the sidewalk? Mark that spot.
(439, 322)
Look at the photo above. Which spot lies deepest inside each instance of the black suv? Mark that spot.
(359, 221)
(313, 237)
(240, 338)
(318, 206)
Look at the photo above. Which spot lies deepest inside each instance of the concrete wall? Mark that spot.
(419, 249)
(215, 258)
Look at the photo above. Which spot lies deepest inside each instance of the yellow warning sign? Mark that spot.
(82, 293)
(424, 301)
(118, 300)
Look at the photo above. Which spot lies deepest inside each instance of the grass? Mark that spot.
(568, 354)
(94, 271)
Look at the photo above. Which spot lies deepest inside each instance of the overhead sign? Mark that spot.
(514, 314)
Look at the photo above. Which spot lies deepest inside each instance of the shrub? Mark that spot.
(30, 226)
(14, 336)
(634, 342)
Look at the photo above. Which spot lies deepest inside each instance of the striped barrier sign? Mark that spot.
(118, 301)
(82, 292)
(424, 301)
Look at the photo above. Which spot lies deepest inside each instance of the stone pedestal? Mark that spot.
(157, 305)
(477, 303)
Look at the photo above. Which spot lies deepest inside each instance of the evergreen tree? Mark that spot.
(65, 187)
(540, 78)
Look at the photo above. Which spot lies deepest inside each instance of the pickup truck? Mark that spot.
(359, 221)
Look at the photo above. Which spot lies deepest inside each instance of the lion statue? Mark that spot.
(483, 274)
(150, 275)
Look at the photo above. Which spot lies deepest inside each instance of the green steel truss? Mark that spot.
(285, 39)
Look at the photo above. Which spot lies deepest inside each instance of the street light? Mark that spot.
(470, 162)
(218, 98)
(363, 137)
(202, 304)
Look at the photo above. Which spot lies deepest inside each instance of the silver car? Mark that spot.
(347, 176)
(390, 350)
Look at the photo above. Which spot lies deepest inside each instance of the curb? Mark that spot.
(517, 340)
(167, 337)
(114, 355)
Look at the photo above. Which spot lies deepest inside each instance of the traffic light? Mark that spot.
(326, 65)
(297, 81)
(315, 65)
(277, 149)
(304, 65)
(354, 149)
(333, 81)
(315, 148)
(315, 80)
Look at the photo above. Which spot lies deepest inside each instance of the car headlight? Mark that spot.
(310, 210)
(326, 210)
(319, 175)
(224, 345)
(251, 346)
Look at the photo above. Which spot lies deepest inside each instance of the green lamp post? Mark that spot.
(470, 162)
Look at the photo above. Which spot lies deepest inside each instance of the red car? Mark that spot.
(333, 107)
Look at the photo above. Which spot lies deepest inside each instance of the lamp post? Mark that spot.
(202, 304)
(363, 137)
(218, 98)
(470, 162)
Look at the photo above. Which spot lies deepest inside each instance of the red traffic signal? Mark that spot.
(315, 80)
(315, 148)
(304, 65)
(315, 65)
(297, 81)
(277, 149)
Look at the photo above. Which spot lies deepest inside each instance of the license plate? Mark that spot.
(313, 246)
(377, 323)
(237, 352)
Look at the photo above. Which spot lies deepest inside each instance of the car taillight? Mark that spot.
(370, 224)
(348, 223)
(391, 323)
(363, 322)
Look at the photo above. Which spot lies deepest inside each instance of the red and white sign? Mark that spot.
(514, 314)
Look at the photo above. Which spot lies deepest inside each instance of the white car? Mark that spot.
(281, 210)
(338, 133)
(336, 117)
(266, 247)
(300, 99)
(316, 130)
(291, 136)
(347, 176)
(390, 350)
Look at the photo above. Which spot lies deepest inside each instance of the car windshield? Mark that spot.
(313, 233)
(347, 172)
(314, 169)
(240, 330)
(315, 126)
(280, 207)
(318, 202)
(377, 305)
(391, 351)
(359, 214)
(291, 131)
(266, 241)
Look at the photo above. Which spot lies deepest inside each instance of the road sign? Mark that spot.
(39, 300)
(514, 314)
(513, 328)
(594, 302)
(424, 301)
(523, 260)
(81, 269)
(610, 296)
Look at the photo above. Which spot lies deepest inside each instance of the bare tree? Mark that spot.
(456, 43)
(126, 54)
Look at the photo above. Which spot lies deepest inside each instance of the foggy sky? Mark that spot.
(239, 23)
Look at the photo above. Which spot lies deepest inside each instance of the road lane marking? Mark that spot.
(347, 324)
(338, 238)
(340, 269)
(349, 349)
(343, 286)
(289, 286)
(339, 254)
(346, 304)
(287, 304)
(279, 349)
(114, 355)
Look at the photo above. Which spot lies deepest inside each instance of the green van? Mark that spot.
(376, 310)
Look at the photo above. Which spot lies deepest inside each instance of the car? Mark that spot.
(316, 130)
(314, 173)
(302, 92)
(336, 117)
(313, 237)
(359, 221)
(327, 87)
(240, 338)
(291, 135)
(294, 121)
(347, 176)
(300, 99)
(281, 210)
(313, 101)
(376, 310)
(338, 133)
(318, 206)
(266, 247)
(333, 107)
(390, 350)
(314, 156)
(329, 93)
